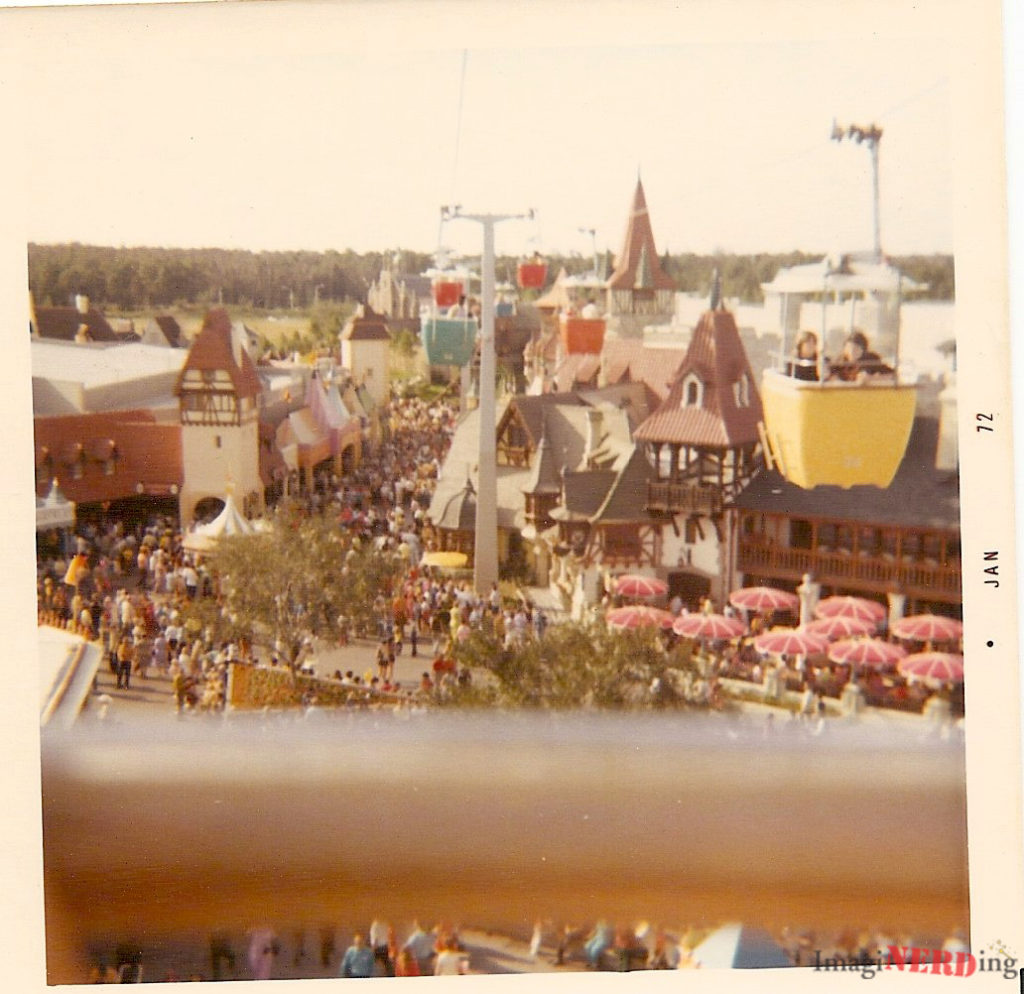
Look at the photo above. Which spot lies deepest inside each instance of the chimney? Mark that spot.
(81, 303)
(595, 426)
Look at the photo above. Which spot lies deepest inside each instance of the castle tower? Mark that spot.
(639, 291)
(219, 396)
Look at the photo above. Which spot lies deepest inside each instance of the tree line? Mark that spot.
(134, 279)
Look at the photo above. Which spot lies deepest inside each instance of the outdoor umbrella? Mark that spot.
(763, 599)
(850, 607)
(790, 642)
(708, 626)
(945, 667)
(928, 628)
(634, 585)
(839, 626)
(865, 652)
(445, 560)
(638, 616)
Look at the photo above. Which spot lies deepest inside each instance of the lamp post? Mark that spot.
(485, 555)
(872, 135)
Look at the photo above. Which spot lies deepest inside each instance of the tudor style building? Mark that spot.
(219, 395)
(703, 444)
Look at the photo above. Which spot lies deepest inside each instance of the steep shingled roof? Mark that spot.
(629, 360)
(545, 477)
(638, 266)
(717, 359)
(218, 348)
(368, 326)
(625, 498)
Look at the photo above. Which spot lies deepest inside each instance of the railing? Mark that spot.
(877, 573)
(679, 498)
(492, 822)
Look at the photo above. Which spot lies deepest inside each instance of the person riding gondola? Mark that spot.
(804, 364)
(857, 362)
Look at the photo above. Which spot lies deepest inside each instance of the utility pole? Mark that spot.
(872, 134)
(485, 554)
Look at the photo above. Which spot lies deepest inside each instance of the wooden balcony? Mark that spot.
(683, 498)
(918, 579)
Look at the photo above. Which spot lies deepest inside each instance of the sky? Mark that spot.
(296, 125)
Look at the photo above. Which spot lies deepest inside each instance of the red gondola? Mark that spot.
(582, 335)
(447, 292)
(533, 274)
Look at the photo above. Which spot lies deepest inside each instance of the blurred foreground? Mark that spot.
(492, 821)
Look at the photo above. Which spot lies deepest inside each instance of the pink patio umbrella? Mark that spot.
(928, 628)
(851, 607)
(839, 626)
(638, 616)
(634, 585)
(945, 667)
(763, 599)
(708, 626)
(790, 642)
(865, 652)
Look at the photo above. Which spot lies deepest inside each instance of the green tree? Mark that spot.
(292, 582)
(570, 667)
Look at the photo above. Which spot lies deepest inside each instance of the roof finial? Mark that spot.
(716, 289)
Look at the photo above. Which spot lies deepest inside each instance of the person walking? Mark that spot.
(358, 959)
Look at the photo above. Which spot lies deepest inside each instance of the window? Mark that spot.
(801, 534)
(693, 391)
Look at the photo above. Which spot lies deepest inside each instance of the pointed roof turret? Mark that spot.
(638, 266)
(546, 477)
(714, 400)
(459, 513)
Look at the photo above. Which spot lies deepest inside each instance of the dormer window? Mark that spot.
(693, 391)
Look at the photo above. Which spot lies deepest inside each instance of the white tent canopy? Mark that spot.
(54, 510)
(230, 521)
(738, 947)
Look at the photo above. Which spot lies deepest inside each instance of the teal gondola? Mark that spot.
(449, 341)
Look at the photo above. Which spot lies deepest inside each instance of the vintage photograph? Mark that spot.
(499, 491)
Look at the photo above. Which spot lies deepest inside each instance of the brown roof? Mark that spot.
(576, 369)
(638, 266)
(62, 323)
(143, 452)
(367, 327)
(214, 349)
(628, 360)
(717, 358)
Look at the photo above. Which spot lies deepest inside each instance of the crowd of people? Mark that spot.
(266, 953)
